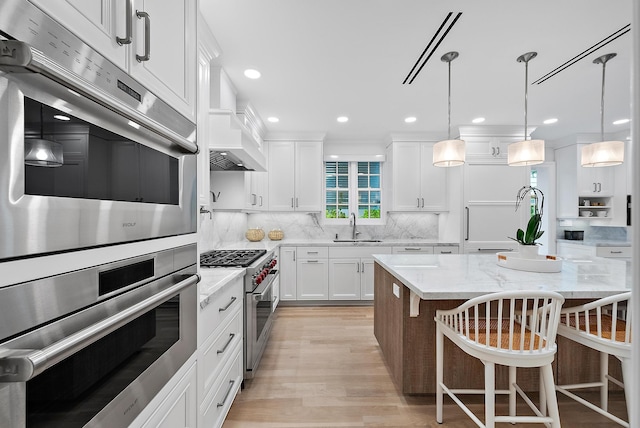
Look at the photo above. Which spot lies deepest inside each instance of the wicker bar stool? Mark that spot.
(514, 329)
(608, 331)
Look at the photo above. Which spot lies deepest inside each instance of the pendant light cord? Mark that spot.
(526, 94)
(604, 65)
(449, 111)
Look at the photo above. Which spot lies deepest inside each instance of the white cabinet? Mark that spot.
(162, 52)
(577, 184)
(446, 249)
(255, 190)
(417, 185)
(295, 176)
(220, 345)
(312, 273)
(489, 206)
(567, 249)
(351, 272)
(178, 407)
(288, 273)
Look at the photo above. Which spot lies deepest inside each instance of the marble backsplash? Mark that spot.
(226, 227)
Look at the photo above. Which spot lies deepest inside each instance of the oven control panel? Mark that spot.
(263, 271)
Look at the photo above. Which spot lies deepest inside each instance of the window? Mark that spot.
(353, 187)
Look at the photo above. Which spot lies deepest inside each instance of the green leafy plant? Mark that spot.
(533, 232)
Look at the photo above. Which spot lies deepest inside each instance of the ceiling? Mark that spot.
(321, 59)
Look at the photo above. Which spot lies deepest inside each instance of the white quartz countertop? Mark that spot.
(213, 279)
(443, 277)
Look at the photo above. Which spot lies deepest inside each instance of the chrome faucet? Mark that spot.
(352, 222)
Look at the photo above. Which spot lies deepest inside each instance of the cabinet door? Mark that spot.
(344, 279)
(406, 177)
(313, 279)
(366, 279)
(204, 82)
(288, 273)
(308, 176)
(281, 166)
(98, 23)
(170, 70)
(433, 182)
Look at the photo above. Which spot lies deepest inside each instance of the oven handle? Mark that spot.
(27, 58)
(260, 292)
(20, 365)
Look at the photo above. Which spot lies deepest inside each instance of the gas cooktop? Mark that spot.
(230, 258)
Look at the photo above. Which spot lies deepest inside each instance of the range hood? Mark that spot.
(233, 145)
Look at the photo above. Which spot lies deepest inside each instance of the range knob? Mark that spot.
(258, 279)
(273, 263)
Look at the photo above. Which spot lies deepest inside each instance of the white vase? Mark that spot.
(528, 251)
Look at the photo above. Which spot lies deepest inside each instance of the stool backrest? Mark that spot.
(609, 318)
(513, 320)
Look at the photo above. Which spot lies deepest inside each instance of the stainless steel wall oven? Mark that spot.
(92, 347)
(88, 156)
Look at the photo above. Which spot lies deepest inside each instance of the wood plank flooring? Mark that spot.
(323, 368)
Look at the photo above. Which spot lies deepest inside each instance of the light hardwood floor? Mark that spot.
(323, 368)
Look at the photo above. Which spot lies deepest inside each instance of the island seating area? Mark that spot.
(410, 288)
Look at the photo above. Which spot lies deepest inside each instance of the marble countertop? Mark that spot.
(213, 279)
(596, 242)
(434, 277)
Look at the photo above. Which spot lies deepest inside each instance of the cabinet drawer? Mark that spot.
(424, 249)
(613, 252)
(220, 398)
(358, 252)
(446, 249)
(218, 349)
(313, 252)
(218, 309)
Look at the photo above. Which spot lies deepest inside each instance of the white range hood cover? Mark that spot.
(230, 135)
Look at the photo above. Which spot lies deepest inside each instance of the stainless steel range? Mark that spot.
(261, 273)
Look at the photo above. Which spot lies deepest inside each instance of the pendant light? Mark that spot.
(41, 152)
(604, 153)
(449, 152)
(526, 152)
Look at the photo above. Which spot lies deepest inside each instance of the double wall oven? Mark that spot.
(98, 295)
(259, 279)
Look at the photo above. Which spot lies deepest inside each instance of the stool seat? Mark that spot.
(514, 329)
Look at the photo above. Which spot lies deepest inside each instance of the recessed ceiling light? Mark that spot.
(621, 121)
(61, 117)
(252, 74)
(550, 121)
(240, 164)
(133, 124)
(410, 119)
(223, 153)
(334, 156)
(478, 120)
(343, 119)
(273, 119)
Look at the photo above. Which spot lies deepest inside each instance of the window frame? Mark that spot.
(353, 195)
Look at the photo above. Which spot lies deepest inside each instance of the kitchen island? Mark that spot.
(410, 288)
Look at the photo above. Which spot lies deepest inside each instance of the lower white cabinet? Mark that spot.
(178, 408)
(288, 273)
(220, 346)
(567, 249)
(351, 272)
(312, 276)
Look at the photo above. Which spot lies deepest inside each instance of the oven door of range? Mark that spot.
(102, 366)
(258, 322)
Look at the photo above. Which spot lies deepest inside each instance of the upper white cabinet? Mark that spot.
(295, 176)
(154, 41)
(589, 193)
(417, 185)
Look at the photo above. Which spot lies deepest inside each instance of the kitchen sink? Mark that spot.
(357, 240)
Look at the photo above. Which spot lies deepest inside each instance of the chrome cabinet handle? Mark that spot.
(312, 261)
(362, 270)
(358, 267)
(20, 365)
(147, 36)
(412, 248)
(466, 238)
(254, 199)
(615, 252)
(296, 202)
(445, 252)
(498, 151)
(291, 202)
(493, 151)
(595, 187)
(224, 400)
(417, 202)
(226, 345)
(422, 202)
(127, 36)
(233, 299)
(599, 187)
(260, 200)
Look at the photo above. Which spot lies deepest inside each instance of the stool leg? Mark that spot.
(543, 395)
(439, 372)
(489, 394)
(512, 391)
(626, 380)
(550, 393)
(604, 389)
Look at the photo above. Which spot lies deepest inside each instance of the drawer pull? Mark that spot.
(615, 252)
(312, 252)
(231, 383)
(233, 299)
(226, 345)
(412, 249)
(445, 252)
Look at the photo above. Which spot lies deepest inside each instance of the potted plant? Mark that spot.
(527, 238)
